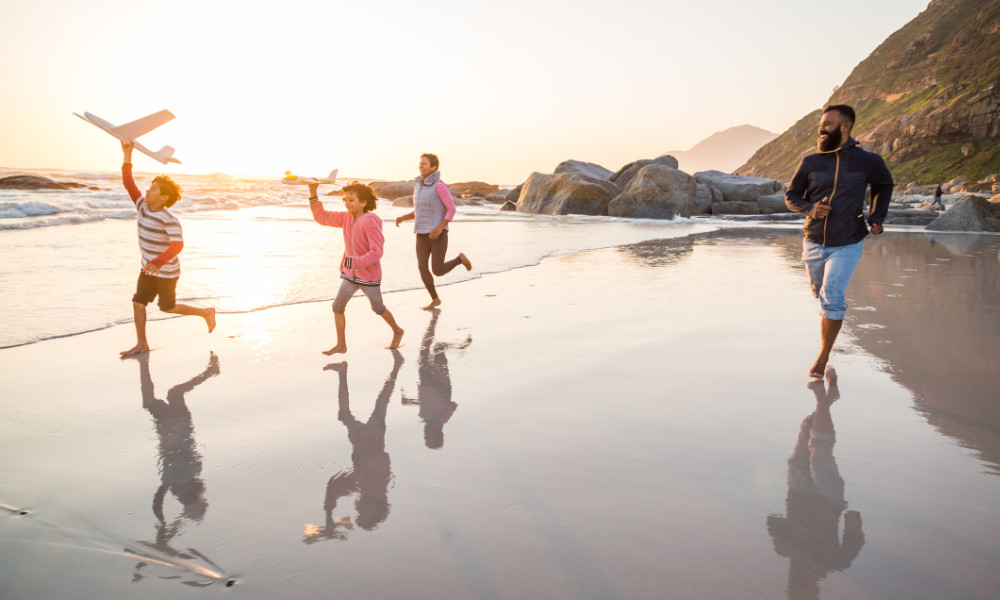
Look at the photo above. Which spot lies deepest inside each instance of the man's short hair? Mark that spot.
(363, 192)
(433, 158)
(843, 109)
(169, 188)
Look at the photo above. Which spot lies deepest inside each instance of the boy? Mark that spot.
(360, 265)
(160, 242)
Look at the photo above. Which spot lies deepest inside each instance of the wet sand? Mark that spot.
(632, 422)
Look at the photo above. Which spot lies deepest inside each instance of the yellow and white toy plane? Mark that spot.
(129, 131)
(291, 179)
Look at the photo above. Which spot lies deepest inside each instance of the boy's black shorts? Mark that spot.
(149, 287)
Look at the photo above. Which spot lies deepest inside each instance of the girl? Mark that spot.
(359, 266)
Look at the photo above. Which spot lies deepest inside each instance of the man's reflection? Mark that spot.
(179, 465)
(434, 384)
(371, 471)
(809, 535)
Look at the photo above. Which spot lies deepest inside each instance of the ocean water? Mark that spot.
(69, 258)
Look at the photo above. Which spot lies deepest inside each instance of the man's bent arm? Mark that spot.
(795, 196)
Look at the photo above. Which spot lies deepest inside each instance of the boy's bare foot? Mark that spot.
(397, 336)
(434, 304)
(465, 261)
(137, 349)
(818, 369)
(210, 319)
(338, 349)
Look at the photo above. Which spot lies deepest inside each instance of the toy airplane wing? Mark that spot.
(129, 131)
(292, 179)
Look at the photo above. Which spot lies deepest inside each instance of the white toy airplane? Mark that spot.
(129, 131)
(291, 179)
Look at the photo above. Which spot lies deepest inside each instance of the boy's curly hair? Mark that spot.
(363, 192)
(169, 187)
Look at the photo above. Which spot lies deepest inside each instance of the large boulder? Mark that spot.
(704, 197)
(583, 168)
(772, 203)
(656, 192)
(403, 201)
(737, 188)
(566, 194)
(515, 194)
(626, 173)
(497, 197)
(910, 216)
(735, 208)
(390, 190)
(472, 188)
(508, 206)
(970, 213)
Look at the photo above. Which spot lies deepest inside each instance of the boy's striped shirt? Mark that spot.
(157, 230)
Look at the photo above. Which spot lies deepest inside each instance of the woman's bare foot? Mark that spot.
(137, 349)
(210, 320)
(434, 304)
(465, 261)
(397, 337)
(338, 349)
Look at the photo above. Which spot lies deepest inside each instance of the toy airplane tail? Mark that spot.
(165, 155)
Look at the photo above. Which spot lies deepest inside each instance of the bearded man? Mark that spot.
(829, 189)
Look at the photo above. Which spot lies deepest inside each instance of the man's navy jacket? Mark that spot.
(853, 170)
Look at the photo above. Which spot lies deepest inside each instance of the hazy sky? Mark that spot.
(496, 89)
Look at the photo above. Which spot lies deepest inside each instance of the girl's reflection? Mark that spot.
(371, 472)
(434, 384)
(809, 535)
(179, 462)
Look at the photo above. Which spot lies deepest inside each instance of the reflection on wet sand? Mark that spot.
(809, 534)
(371, 472)
(434, 384)
(180, 466)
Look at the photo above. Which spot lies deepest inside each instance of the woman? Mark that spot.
(433, 209)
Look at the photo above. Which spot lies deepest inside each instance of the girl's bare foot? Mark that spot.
(465, 261)
(397, 336)
(137, 349)
(338, 349)
(210, 319)
(434, 304)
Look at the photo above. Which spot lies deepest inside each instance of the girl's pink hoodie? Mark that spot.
(363, 243)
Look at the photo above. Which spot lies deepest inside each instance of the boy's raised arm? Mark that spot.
(130, 187)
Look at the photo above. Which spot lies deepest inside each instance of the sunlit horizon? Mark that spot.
(497, 92)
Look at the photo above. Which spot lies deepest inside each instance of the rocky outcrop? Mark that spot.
(515, 194)
(735, 188)
(626, 173)
(566, 193)
(704, 197)
(390, 190)
(403, 201)
(970, 213)
(927, 100)
(497, 197)
(32, 182)
(736, 208)
(508, 206)
(583, 168)
(772, 203)
(472, 188)
(910, 216)
(656, 192)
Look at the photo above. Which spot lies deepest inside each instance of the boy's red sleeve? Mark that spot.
(130, 187)
(172, 250)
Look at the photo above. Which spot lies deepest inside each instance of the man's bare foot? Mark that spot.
(338, 349)
(819, 369)
(137, 349)
(397, 336)
(210, 319)
(434, 304)
(465, 261)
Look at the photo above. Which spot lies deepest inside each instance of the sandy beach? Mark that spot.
(628, 422)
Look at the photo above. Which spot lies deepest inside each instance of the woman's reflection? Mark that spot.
(371, 472)
(179, 464)
(809, 535)
(434, 384)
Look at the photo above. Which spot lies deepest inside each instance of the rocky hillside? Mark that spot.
(928, 100)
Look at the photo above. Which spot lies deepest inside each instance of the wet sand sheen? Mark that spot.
(623, 423)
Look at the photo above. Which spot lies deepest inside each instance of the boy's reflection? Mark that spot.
(809, 535)
(371, 471)
(179, 462)
(434, 385)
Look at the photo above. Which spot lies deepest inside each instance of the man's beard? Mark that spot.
(832, 141)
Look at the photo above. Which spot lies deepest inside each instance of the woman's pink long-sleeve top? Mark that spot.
(363, 243)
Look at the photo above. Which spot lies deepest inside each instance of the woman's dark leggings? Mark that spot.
(435, 251)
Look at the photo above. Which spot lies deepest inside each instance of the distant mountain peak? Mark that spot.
(723, 150)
